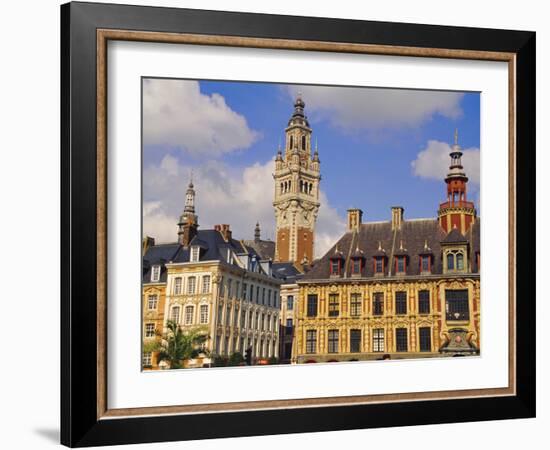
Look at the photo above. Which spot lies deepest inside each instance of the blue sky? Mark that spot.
(378, 148)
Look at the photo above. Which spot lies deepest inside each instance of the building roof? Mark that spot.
(264, 248)
(213, 247)
(414, 235)
(287, 272)
(454, 237)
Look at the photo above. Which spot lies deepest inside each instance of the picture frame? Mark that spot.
(86, 28)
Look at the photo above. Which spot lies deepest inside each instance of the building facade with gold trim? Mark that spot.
(398, 288)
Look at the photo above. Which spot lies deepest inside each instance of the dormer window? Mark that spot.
(155, 273)
(335, 267)
(425, 263)
(400, 264)
(455, 261)
(195, 253)
(356, 266)
(379, 265)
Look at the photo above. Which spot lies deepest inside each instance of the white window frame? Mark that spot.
(178, 288)
(152, 298)
(188, 320)
(202, 308)
(192, 285)
(147, 359)
(195, 254)
(206, 287)
(147, 330)
(174, 308)
(155, 273)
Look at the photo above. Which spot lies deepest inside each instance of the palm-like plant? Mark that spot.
(177, 344)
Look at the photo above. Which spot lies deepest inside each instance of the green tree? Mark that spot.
(177, 345)
(236, 359)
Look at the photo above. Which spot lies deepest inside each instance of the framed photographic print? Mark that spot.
(275, 224)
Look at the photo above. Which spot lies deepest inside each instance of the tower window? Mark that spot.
(291, 141)
(456, 304)
(303, 142)
(450, 261)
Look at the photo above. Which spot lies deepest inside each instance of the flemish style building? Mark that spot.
(208, 279)
(395, 289)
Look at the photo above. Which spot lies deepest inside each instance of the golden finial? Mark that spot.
(379, 245)
(401, 244)
(426, 244)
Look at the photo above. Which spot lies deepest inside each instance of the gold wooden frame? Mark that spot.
(103, 36)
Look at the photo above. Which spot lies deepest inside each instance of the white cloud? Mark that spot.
(375, 108)
(177, 114)
(433, 162)
(224, 195)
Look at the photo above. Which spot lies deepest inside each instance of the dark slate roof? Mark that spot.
(213, 248)
(414, 234)
(286, 271)
(264, 248)
(158, 255)
(454, 237)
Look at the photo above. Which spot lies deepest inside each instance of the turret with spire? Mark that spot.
(188, 221)
(457, 211)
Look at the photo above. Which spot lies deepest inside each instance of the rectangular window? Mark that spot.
(155, 273)
(425, 263)
(258, 294)
(191, 285)
(333, 341)
(311, 341)
(206, 284)
(175, 314)
(195, 251)
(251, 296)
(290, 302)
(235, 317)
(263, 296)
(425, 338)
(245, 291)
(379, 265)
(237, 286)
(147, 359)
(378, 340)
(354, 341)
(149, 330)
(243, 318)
(177, 286)
(400, 302)
(228, 316)
(333, 305)
(456, 304)
(424, 302)
(378, 304)
(189, 315)
(152, 301)
(289, 323)
(401, 339)
(355, 305)
(222, 287)
(335, 267)
(204, 314)
(229, 288)
(312, 305)
(401, 264)
(356, 267)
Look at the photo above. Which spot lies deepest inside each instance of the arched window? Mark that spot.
(450, 261)
(460, 261)
(282, 188)
(291, 141)
(175, 314)
(303, 142)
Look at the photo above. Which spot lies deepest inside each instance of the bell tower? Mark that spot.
(457, 212)
(297, 177)
(189, 221)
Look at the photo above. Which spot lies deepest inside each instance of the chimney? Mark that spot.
(355, 218)
(224, 230)
(396, 217)
(148, 242)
